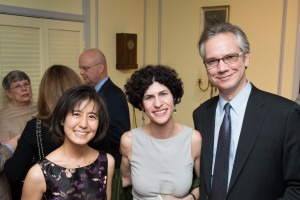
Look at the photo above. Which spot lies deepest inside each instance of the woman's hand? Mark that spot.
(188, 197)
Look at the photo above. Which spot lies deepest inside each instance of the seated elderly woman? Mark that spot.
(20, 109)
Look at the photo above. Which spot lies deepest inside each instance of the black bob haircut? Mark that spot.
(66, 104)
(141, 79)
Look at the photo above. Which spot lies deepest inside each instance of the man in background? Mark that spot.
(93, 69)
(250, 149)
(6, 151)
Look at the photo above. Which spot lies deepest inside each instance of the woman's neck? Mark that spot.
(162, 131)
(74, 151)
(75, 155)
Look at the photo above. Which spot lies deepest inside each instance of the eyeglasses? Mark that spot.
(231, 58)
(86, 68)
(20, 87)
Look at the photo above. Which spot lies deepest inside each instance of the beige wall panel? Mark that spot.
(119, 16)
(289, 50)
(67, 6)
(262, 22)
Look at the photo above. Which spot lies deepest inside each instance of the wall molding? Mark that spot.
(96, 24)
(296, 82)
(282, 43)
(30, 12)
(87, 23)
(37, 13)
(159, 30)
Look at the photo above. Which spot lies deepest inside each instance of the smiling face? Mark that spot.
(81, 125)
(230, 79)
(158, 104)
(19, 93)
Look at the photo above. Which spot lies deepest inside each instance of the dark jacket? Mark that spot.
(119, 121)
(267, 163)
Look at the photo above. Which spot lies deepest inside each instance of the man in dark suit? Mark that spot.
(93, 68)
(263, 162)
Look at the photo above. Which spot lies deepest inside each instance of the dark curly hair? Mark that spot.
(141, 79)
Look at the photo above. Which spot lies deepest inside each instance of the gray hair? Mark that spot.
(211, 31)
(14, 76)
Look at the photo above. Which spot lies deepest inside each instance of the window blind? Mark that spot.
(32, 45)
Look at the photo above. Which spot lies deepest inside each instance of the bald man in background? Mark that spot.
(93, 69)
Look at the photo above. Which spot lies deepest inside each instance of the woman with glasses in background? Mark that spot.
(20, 109)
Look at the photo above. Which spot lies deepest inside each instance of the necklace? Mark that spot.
(78, 159)
(76, 163)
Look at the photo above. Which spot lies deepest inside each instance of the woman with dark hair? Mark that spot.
(20, 109)
(36, 141)
(162, 150)
(74, 170)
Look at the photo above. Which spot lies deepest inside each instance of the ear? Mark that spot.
(101, 67)
(247, 59)
(7, 93)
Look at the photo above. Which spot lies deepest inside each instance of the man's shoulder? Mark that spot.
(110, 87)
(207, 105)
(112, 94)
(270, 99)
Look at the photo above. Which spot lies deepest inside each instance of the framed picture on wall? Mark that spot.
(214, 15)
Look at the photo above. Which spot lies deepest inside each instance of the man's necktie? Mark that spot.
(220, 176)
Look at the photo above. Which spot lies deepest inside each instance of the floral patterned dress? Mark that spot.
(87, 182)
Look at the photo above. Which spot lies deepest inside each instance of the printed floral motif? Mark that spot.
(87, 182)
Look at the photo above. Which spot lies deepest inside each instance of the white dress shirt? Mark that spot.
(237, 111)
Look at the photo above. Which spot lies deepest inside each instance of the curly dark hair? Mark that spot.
(141, 79)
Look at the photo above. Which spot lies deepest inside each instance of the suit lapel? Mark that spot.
(208, 140)
(253, 120)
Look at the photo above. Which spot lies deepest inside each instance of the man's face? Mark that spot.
(230, 79)
(89, 69)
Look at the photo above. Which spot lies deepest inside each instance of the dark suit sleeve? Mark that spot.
(118, 116)
(196, 119)
(291, 155)
(197, 124)
(17, 166)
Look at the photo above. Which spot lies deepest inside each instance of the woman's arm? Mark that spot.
(126, 150)
(110, 174)
(34, 184)
(196, 152)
